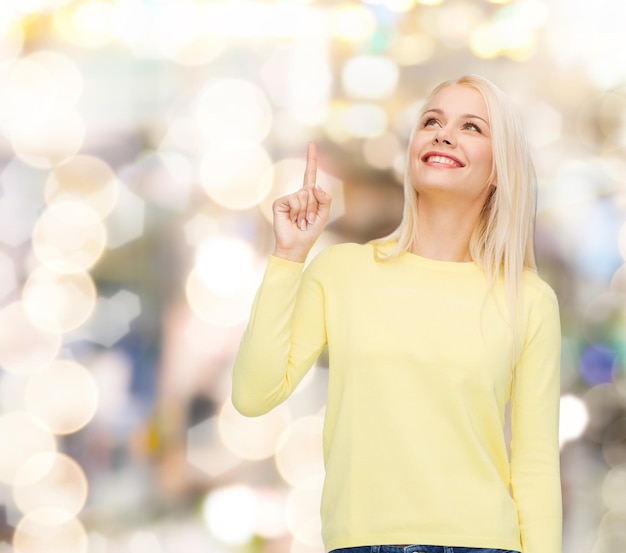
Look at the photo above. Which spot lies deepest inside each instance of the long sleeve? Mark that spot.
(535, 474)
(284, 337)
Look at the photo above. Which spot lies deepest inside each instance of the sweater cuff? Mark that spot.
(284, 264)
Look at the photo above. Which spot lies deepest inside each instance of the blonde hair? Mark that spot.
(502, 241)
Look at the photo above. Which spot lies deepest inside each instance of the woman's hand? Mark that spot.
(299, 218)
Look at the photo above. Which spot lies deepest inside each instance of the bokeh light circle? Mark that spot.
(21, 437)
(230, 513)
(90, 24)
(67, 78)
(611, 524)
(216, 307)
(50, 481)
(51, 142)
(303, 514)
(199, 50)
(175, 23)
(57, 535)
(370, 77)
(86, 179)
(614, 489)
(603, 317)
(252, 438)
(573, 420)
(365, 120)
(453, 22)
(67, 75)
(236, 174)
(74, 401)
(233, 109)
(598, 364)
(27, 93)
(224, 263)
(270, 522)
(37, 89)
(484, 41)
(177, 33)
(69, 237)
(299, 454)
(59, 302)
(353, 22)
(24, 346)
(412, 48)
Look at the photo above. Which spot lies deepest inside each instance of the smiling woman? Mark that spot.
(431, 332)
(458, 142)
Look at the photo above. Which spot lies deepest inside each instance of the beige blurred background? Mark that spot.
(141, 145)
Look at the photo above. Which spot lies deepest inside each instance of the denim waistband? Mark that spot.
(418, 549)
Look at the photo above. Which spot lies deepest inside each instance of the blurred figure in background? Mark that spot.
(430, 332)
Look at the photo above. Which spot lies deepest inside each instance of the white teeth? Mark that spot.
(441, 159)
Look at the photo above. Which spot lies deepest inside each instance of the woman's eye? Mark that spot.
(473, 127)
(430, 121)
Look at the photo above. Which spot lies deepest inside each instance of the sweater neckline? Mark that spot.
(432, 264)
(438, 265)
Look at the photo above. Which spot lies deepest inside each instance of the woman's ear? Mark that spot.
(493, 179)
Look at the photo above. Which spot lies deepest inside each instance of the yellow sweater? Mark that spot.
(420, 371)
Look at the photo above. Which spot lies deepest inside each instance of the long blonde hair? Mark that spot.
(502, 241)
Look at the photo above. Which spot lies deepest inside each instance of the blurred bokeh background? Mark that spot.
(141, 145)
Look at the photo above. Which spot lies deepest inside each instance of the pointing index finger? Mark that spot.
(310, 172)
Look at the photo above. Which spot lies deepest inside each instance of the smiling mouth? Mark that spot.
(443, 160)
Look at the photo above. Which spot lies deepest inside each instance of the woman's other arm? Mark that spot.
(535, 454)
(286, 330)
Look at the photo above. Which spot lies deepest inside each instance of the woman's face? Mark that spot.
(451, 149)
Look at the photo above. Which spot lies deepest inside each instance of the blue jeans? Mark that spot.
(418, 549)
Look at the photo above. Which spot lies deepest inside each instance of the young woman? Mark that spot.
(430, 333)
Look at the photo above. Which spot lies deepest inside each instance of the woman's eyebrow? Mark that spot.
(472, 116)
(465, 115)
(435, 110)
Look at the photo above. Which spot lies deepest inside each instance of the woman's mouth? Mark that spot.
(439, 159)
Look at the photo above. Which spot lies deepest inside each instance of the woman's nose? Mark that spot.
(443, 135)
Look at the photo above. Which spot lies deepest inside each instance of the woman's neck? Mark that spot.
(444, 232)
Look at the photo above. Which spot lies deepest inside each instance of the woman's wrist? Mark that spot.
(290, 255)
